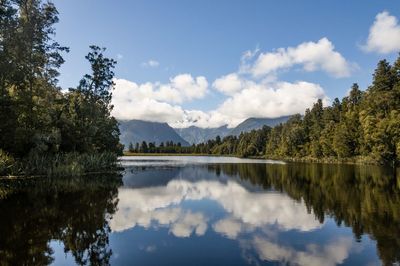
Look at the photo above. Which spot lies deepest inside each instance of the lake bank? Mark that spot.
(329, 160)
(59, 164)
(178, 154)
(164, 212)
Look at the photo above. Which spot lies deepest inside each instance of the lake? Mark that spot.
(188, 210)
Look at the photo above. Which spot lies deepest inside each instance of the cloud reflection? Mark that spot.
(252, 214)
(141, 206)
(332, 253)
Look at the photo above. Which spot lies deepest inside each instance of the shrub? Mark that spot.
(7, 163)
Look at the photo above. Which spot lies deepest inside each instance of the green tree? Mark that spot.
(88, 109)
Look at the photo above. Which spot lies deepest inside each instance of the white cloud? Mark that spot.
(120, 56)
(201, 119)
(257, 227)
(253, 91)
(152, 101)
(228, 227)
(188, 223)
(148, 110)
(151, 63)
(257, 100)
(228, 84)
(384, 34)
(141, 206)
(312, 56)
(180, 88)
(147, 209)
(271, 100)
(332, 253)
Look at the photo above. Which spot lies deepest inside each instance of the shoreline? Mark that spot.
(179, 154)
(20, 177)
(329, 160)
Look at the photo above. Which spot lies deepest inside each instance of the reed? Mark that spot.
(63, 164)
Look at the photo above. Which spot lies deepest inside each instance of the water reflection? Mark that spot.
(74, 211)
(253, 209)
(208, 213)
(275, 213)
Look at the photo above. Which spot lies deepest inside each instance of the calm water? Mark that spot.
(205, 211)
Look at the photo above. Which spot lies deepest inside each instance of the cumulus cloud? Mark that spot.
(332, 253)
(151, 102)
(142, 206)
(384, 34)
(151, 63)
(312, 56)
(257, 99)
(155, 101)
(180, 88)
(190, 222)
(228, 227)
(244, 221)
(134, 211)
(228, 84)
(277, 99)
(253, 91)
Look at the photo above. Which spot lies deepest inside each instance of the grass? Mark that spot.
(127, 153)
(62, 164)
(7, 163)
(331, 160)
(358, 160)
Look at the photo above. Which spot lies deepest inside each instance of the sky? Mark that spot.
(209, 63)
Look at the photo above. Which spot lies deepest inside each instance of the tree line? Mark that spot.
(365, 198)
(363, 126)
(37, 118)
(152, 147)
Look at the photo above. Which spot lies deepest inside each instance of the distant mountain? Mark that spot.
(136, 131)
(257, 123)
(197, 135)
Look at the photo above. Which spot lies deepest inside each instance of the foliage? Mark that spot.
(364, 197)
(74, 211)
(363, 126)
(6, 163)
(37, 119)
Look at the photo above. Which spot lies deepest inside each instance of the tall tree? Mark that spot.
(88, 109)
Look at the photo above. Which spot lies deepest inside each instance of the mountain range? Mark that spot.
(136, 131)
(195, 135)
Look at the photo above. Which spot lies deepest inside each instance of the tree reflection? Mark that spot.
(74, 211)
(366, 198)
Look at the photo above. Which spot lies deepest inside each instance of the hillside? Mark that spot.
(257, 123)
(136, 131)
(196, 135)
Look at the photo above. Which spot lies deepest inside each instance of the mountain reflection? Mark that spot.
(214, 214)
(251, 209)
(74, 211)
(262, 202)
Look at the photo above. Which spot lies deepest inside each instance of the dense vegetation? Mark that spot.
(151, 147)
(74, 211)
(37, 119)
(364, 126)
(365, 198)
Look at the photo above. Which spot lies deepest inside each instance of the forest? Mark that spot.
(43, 128)
(363, 127)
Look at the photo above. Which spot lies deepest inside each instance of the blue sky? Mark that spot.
(208, 39)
